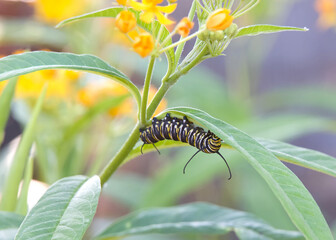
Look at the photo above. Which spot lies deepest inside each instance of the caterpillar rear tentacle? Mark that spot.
(182, 130)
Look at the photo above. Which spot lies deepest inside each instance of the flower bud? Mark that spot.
(232, 31)
(184, 26)
(204, 35)
(125, 21)
(143, 44)
(219, 35)
(219, 20)
(212, 36)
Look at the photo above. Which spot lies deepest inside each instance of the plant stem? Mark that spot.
(115, 162)
(157, 98)
(182, 40)
(167, 83)
(143, 117)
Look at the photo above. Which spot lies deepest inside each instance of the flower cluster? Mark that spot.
(147, 11)
(126, 21)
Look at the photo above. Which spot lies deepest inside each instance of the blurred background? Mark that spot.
(280, 86)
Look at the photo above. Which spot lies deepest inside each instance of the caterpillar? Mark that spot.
(184, 131)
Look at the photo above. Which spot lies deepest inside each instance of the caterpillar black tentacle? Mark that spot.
(184, 131)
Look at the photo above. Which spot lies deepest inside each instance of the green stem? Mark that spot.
(168, 37)
(167, 83)
(182, 41)
(158, 97)
(143, 117)
(118, 159)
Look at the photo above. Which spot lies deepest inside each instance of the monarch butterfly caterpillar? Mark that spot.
(184, 131)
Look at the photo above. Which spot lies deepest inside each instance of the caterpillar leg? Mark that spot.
(141, 148)
(156, 148)
(189, 161)
(153, 145)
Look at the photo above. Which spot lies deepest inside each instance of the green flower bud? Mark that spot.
(212, 36)
(231, 31)
(204, 35)
(219, 35)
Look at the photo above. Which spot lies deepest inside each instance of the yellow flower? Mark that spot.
(219, 20)
(125, 21)
(184, 26)
(327, 12)
(151, 10)
(123, 2)
(96, 92)
(54, 11)
(2, 85)
(60, 84)
(143, 44)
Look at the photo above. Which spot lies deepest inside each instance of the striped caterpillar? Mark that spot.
(182, 130)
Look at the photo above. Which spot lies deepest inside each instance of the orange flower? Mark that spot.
(184, 26)
(327, 12)
(125, 21)
(151, 10)
(219, 20)
(143, 44)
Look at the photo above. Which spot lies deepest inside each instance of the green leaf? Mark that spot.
(19, 64)
(245, 234)
(150, 148)
(151, 28)
(9, 224)
(64, 211)
(292, 194)
(5, 105)
(255, 30)
(11, 187)
(301, 156)
(22, 205)
(195, 218)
